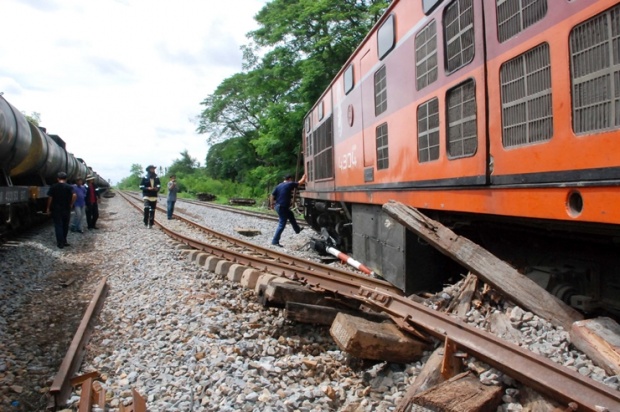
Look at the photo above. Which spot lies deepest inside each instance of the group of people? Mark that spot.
(82, 198)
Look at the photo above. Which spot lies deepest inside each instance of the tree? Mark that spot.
(185, 165)
(132, 182)
(34, 118)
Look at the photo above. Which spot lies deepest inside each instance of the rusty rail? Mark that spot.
(61, 386)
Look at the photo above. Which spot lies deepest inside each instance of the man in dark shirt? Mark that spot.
(92, 203)
(60, 199)
(281, 199)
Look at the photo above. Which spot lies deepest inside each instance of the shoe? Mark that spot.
(300, 230)
(150, 226)
(96, 228)
(66, 245)
(276, 244)
(60, 246)
(81, 231)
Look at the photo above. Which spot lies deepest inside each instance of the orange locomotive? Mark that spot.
(498, 117)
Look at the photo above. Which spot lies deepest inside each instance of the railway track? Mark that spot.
(558, 382)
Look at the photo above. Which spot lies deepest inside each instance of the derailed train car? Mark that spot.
(30, 160)
(498, 118)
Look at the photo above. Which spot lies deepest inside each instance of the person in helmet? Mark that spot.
(150, 186)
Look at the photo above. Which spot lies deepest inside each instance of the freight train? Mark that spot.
(500, 119)
(30, 160)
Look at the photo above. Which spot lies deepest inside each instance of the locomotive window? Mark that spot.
(514, 16)
(380, 91)
(309, 139)
(323, 146)
(320, 111)
(385, 37)
(429, 5)
(428, 131)
(458, 23)
(595, 73)
(527, 115)
(462, 131)
(382, 147)
(426, 55)
(348, 79)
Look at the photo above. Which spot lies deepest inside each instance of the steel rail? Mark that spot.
(61, 387)
(556, 381)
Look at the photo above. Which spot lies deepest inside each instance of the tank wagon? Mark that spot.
(30, 160)
(499, 118)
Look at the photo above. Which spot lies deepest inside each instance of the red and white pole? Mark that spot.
(349, 260)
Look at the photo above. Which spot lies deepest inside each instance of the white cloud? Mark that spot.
(119, 81)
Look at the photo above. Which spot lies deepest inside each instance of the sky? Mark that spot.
(121, 81)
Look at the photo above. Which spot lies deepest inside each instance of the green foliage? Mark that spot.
(185, 165)
(34, 118)
(132, 182)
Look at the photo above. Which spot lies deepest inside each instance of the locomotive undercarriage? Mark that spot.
(577, 264)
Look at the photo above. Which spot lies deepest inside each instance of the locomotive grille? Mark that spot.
(380, 91)
(382, 147)
(426, 55)
(459, 34)
(462, 133)
(595, 73)
(514, 16)
(428, 131)
(323, 144)
(527, 115)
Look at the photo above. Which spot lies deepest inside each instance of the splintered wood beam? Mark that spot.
(486, 266)
(462, 393)
(599, 338)
(371, 340)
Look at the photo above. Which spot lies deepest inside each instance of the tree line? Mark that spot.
(254, 118)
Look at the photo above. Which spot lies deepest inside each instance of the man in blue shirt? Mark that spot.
(281, 200)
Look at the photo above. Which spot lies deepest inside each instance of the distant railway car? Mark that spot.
(499, 118)
(30, 160)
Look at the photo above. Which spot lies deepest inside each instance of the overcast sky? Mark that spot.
(121, 81)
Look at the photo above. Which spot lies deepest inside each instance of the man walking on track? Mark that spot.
(281, 199)
(150, 186)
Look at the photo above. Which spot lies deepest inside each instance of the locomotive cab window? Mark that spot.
(595, 73)
(458, 23)
(386, 37)
(514, 16)
(461, 118)
(426, 55)
(382, 147)
(348, 79)
(380, 91)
